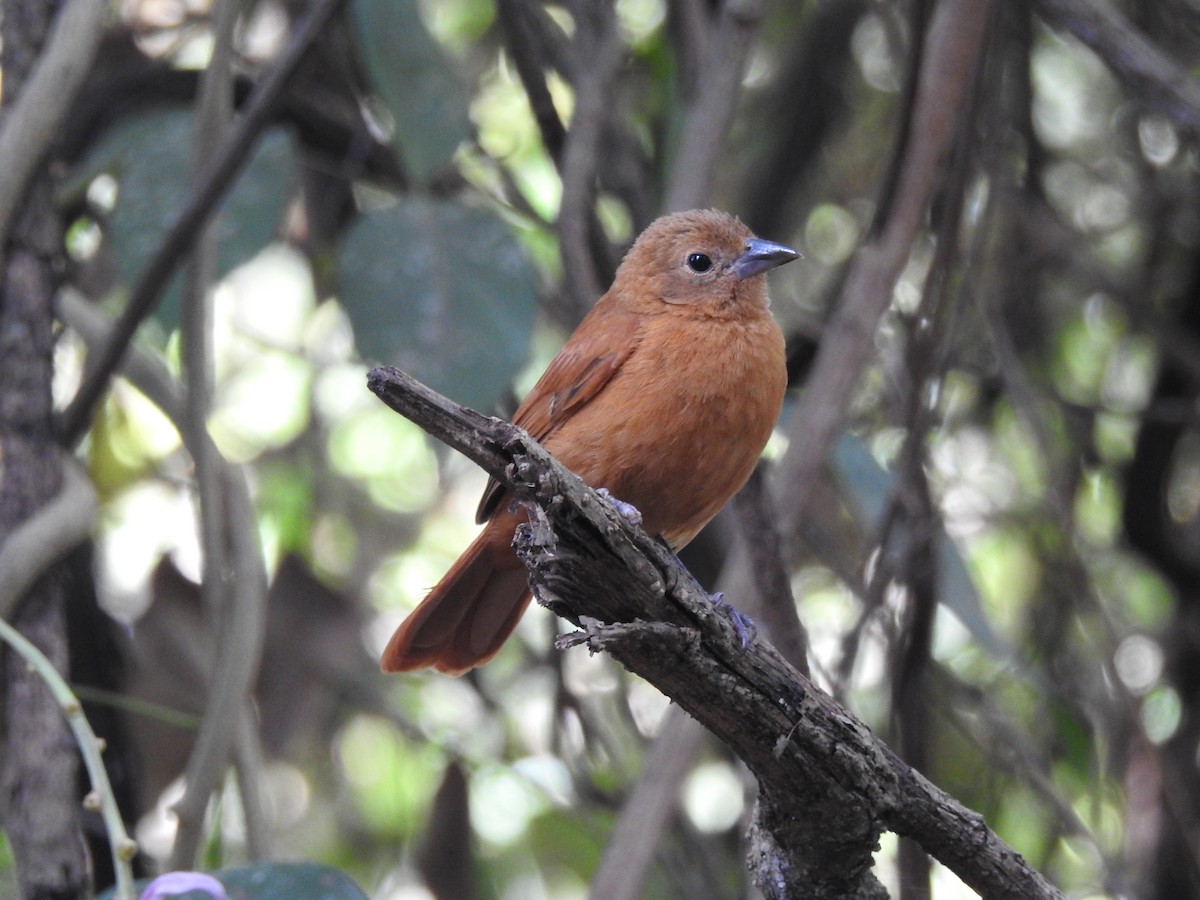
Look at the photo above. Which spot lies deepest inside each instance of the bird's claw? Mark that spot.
(742, 624)
(628, 511)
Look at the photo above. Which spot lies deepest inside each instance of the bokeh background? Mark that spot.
(997, 571)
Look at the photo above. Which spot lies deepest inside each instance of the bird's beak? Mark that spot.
(762, 256)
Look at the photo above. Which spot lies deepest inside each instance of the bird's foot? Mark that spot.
(628, 511)
(742, 624)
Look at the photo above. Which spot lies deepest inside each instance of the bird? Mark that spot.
(664, 396)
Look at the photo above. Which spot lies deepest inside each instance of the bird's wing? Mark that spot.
(585, 364)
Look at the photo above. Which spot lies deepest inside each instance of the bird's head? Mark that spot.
(705, 261)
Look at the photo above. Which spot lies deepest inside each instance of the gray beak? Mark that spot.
(762, 256)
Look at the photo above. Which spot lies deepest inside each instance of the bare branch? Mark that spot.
(809, 754)
(580, 158)
(526, 29)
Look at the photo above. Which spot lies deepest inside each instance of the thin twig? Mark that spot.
(525, 26)
(238, 652)
(124, 848)
(213, 116)
(210, 188)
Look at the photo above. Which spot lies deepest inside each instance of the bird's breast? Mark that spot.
(679, 428)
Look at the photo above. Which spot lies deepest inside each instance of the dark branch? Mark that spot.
(828, 786)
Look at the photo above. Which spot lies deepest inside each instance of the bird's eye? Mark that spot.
(699, 262)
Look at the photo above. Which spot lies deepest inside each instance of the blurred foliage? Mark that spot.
(411, 275)
(424, 98)
(1055, 696)
(146, 158)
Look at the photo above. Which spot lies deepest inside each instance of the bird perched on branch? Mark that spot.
(664, 395)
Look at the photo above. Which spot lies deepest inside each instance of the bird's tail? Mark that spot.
(470, 613)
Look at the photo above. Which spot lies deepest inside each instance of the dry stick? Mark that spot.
(1162, 81)
(814, 760)
(210, 188)
(31, 123)
(239, 641)
(951, 55)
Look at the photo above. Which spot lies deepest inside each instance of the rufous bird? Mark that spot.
(664, 395)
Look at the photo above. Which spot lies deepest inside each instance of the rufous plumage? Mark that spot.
(664, 395)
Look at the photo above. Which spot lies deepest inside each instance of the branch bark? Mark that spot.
(39, 796)
(828, 786)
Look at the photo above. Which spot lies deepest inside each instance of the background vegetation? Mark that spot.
(985, 483)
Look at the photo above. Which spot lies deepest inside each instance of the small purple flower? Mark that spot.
(174, 883)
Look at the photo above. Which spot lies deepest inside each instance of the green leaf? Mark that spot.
(150, 155)
(412, 77)
(443, 291)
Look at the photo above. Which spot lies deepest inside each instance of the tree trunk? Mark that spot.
(40, 802)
